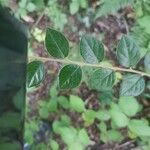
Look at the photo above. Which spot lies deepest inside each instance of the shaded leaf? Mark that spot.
(102, 79)
(147, 62)
(128, 53)
(91, 50)
(35, 73)
(132, 85)
(56, 44)
(70, 76)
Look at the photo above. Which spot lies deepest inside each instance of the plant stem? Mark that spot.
(67, 61)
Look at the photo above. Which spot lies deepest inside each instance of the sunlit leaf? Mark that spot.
(119, 118)
(129, 105)
(139, 127)
(76, 103)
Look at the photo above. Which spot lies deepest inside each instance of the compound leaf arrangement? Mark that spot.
(92, 52)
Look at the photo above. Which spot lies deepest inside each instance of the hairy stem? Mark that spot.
(67, 61)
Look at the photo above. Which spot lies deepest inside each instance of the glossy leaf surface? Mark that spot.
(56, 44)
(35, 73)
(70, 76)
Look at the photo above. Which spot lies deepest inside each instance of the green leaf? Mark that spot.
(102, 79)
(56, 44)
(76, 103)
(70, 76)
(91, 50)
(114, 136)
(139, 127)
(74, 6)
(89, 116)
(128, 52)
(65, 120)
(54, 145)
(132, 85)
(52, 105)
(83, 137)
(117, 116)
(102, 127)
(144, 22)
(35, 73)
(147, 62)
(105, 98)
(103, 115)
(68, 134)
(129, 105)
(44, 113)
(63, 101)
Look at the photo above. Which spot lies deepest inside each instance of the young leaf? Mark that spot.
(128, 52)
(102, 79)
(119, 118)
(129, 105)
(91, 50)
(132, 85)
(114, 135)
(139, 127)
(103, 115)
(89, 116)
(56, 44)
(76, 103)
(35, 73)
(70, 76)
(63, 102)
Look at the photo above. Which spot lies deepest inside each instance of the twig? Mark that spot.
(126, 25)
(67, 61)
(126, 144)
